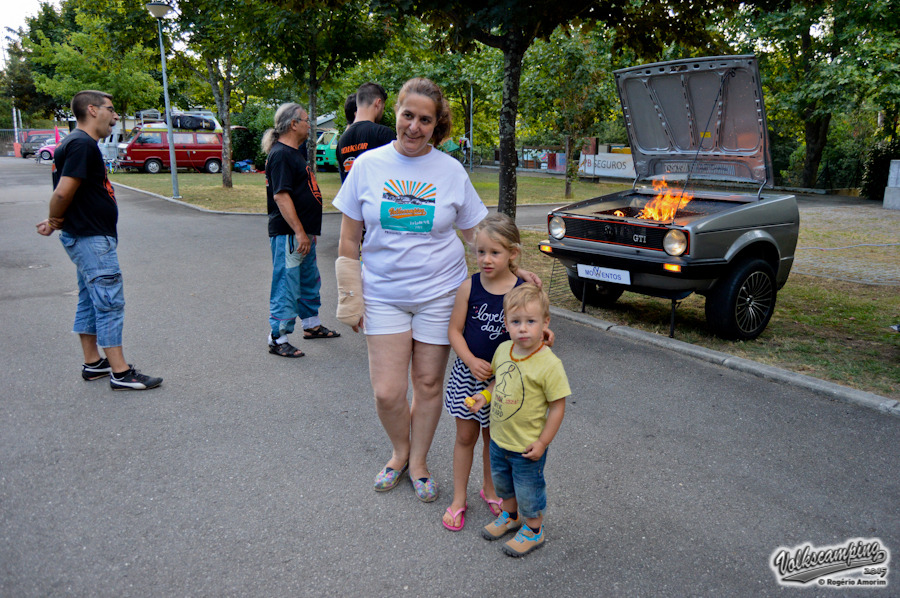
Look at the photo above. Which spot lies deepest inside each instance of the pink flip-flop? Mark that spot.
(455, 514)
(492, 504)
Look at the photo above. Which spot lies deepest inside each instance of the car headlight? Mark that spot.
(675, 242)
(557, 227)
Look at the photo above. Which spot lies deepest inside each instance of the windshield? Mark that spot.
(134, 133)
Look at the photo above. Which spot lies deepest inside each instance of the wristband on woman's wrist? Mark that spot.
(487, 395)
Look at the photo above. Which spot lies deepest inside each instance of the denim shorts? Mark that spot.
(101, 296)
(521, 478)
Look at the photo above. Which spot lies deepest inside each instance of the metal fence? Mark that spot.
(7, 137)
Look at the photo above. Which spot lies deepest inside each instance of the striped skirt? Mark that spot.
(463, 384)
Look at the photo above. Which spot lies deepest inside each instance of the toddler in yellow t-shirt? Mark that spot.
(527, 401)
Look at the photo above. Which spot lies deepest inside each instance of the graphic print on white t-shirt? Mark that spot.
(408, 206)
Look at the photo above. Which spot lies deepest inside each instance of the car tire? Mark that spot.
(45, 155)
(596, 294)
(740, 304)
(213, 166)
(153, 166)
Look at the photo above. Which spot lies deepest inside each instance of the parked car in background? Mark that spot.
(147, 148)
(326, 150)
(109, 146)
(35, 142)
(45, 152)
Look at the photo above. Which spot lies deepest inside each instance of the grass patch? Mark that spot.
(824, 328)
(249, 191)
(829, 329)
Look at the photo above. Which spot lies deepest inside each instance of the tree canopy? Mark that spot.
(537, 71)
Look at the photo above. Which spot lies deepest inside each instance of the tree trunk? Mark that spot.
(311, 111)
(513, 52)
(568, 168)
(226, 143)
(226, 129)
(222, 97)
(816, 135)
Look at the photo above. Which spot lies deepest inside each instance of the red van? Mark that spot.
(147, 148)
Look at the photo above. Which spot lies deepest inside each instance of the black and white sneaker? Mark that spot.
(96, 371)
(132, 379)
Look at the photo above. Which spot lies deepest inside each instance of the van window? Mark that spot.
(184, 138)
(147, 138)
(208, 138)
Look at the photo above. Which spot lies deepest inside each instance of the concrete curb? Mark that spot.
(208, 211)
(184, 203)
(829, 389)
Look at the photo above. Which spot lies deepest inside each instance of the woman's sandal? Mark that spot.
(492, 504)
(285, 349)
(319, 332)
(426, 488)
(388, 477)
(461, 513)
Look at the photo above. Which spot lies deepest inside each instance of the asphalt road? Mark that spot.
(246, 474)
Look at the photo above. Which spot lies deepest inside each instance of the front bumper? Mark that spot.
(649, 274)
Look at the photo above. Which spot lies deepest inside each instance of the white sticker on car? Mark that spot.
(604, 274)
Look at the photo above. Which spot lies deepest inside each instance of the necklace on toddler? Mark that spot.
(541, 346)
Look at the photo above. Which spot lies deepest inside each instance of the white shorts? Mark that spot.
(428, 321)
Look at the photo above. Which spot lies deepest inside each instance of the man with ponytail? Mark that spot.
(295, 220)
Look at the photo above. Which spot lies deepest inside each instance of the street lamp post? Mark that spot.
(159, 10)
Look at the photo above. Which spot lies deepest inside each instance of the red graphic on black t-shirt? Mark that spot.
(314, 186)
(109, 189)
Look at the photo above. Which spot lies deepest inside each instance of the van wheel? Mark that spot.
(214, 167)
(153, 166)
(740, 305)
(596, 294)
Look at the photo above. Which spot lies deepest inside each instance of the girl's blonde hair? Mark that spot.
(502, 229)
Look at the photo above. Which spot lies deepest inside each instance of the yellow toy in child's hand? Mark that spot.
(470, 401)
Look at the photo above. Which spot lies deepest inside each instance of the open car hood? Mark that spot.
(700, 118)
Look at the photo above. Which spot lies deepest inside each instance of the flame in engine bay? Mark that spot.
(667, 202)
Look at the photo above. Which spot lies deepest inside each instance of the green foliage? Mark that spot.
(821, 60)
(245, 144)
(316, 42)
(876, 168)
(412, 54)
(17, 81)
(257, 118)
(851, 139)
(86, 60)
(568, 87)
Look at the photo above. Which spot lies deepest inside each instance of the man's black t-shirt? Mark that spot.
(286, 171)
(358, 138)
(93, 210)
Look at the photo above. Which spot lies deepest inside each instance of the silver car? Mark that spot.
(696, 127)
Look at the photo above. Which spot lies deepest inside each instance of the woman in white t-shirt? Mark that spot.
(411, 199)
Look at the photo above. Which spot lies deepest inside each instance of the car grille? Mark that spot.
(618, 233)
